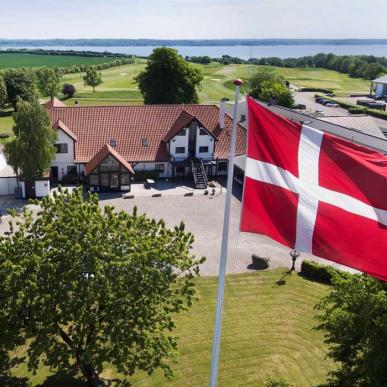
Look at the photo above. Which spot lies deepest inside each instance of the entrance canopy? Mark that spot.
(108, 171)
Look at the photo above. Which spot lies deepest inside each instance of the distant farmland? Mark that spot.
(34, 60)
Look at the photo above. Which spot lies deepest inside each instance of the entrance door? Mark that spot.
(54, 174)
(105, 186)
(114, 186)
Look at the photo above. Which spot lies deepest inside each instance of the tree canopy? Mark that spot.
(20, 85)
(168, 78)
(3, 91)
(90, 285)
(268, 86)
(68, 90)
(354, 319)
(31, 151)
(92, 77)
(48, 81)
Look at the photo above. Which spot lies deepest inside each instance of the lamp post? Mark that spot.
(294, 254)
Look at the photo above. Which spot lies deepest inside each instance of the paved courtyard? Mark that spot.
(203, 216)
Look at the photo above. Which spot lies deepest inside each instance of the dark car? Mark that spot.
(300, 106)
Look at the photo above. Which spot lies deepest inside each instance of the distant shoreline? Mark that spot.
(188, 42)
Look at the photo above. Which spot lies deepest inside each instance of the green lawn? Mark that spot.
(34, 60)
(119, 86)
(267, 331)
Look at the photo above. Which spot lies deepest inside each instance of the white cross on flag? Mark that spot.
(315, 192)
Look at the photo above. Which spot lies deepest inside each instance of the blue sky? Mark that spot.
(193, 19)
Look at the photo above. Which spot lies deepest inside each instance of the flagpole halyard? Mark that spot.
(224, 248)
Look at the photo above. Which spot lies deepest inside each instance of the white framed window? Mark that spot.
(203, 132)
(203, 149)
(180, 149)
(62, 148)
(159, 167)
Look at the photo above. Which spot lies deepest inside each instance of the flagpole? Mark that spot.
(223, 253)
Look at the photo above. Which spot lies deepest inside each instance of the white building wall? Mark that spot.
(63, 160)
(179, 141)
(151, 166)
(379, 91)
(204, 140)
(42, 188)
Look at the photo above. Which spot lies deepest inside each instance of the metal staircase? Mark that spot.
(199, 174)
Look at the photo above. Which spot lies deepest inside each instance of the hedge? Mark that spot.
(141, 176)
(318, 272)
(315, 89)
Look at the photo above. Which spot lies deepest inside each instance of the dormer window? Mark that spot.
(144, 142)
(113, 143)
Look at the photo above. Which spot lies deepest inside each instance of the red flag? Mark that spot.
(315, 192)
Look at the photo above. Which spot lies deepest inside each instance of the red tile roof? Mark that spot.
(95, 126)
(54, 102)
(182, 121)
(101, 155)
(60, 125)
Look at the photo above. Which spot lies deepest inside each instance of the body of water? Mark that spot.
(244, 52)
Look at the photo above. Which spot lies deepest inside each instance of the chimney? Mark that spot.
(222, 112)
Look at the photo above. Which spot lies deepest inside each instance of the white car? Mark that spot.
(332, 104)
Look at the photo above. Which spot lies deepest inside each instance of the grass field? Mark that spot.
(34, 60)
(120, 88)
(267, 331)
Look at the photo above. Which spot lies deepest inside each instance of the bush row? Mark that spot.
(315, 89)
(318, 272)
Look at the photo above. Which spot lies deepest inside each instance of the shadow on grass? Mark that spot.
(282, 280)
(63, 379)
(6, 113)
(12, 381)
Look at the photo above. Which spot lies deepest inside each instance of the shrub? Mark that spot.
(141, 176)
(277, 382)
(358, 110)
(4, 135)
(318, 272)
(70, 178)
(315, 89)
(68, 90)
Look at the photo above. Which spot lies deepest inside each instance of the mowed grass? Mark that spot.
(33, 60)
(267, 331)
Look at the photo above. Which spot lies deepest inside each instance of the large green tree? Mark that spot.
(20, 85)
(93, 286)
(3, 91)
(31, 151)
(48, 81)
(168, 78)
(92, 77)
(268, 86)
(354, 319)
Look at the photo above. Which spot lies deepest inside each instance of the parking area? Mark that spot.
(203, 217)
(307, 99)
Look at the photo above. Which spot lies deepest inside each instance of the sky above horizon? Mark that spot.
(193, 19)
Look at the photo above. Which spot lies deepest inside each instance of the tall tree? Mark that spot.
(268, 86)
(92, 77)
(354, 319)
(20, 85)
(68, 90)
(91, 285)
(48, 82)
(168, 78)
(3, 91)
(32, 150)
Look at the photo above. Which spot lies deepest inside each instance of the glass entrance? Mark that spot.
(114, 181)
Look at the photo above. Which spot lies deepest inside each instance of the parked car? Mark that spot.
(331, 104)
(330, 95)
(300, 106)
(320, 100)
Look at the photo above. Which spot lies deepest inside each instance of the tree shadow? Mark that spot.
(12, 381)
(63, 379)
(6, 113)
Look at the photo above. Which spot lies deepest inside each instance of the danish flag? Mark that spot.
(315, 192)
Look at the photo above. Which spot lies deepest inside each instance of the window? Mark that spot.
(61, 148)
(180, 149)
(125, 179)
(159, 167)
(203, 149)
(71, 170)
(203, 132)
(109, 164)
(181, 133)
(93, 179)
(222, 166)
(145, 142)
(113, 143)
